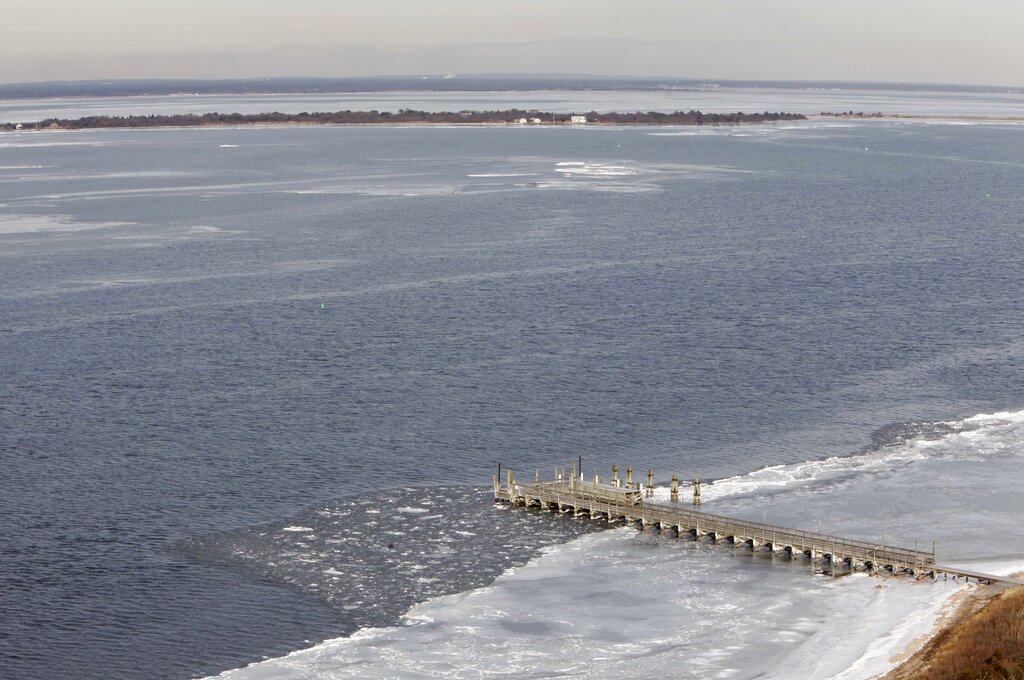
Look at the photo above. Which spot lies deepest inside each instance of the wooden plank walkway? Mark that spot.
(979, 576)
(615, 503)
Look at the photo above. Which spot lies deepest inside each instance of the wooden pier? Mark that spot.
(631, 503)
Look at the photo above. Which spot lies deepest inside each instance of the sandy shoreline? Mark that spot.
(961, 605)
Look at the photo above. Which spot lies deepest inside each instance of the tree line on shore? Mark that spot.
(510, 116)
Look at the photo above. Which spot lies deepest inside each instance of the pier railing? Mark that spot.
(585, 498)
(625, 502)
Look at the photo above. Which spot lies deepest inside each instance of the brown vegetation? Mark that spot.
(987, 644)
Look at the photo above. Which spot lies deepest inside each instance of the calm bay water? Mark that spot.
(235, 358)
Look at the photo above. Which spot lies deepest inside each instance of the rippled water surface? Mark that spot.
(256, 382)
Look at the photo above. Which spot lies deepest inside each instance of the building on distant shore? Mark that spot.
(578, 120)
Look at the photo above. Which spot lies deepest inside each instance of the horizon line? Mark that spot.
(454, 78)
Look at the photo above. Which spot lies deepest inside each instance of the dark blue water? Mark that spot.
(199, 340)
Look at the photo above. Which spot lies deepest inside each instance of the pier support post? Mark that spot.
(610, 503)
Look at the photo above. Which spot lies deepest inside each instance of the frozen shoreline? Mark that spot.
(493, 631)
(620, 602)
(973, 600)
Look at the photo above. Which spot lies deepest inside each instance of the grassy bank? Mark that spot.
(984, 644)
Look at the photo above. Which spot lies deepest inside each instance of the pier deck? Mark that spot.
(626, 504)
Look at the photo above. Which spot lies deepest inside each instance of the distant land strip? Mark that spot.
(404, 117)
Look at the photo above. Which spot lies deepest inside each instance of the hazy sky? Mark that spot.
(958, 41)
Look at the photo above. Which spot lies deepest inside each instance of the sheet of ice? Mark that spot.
(31, 224)
(940, 483)
(501, 174)
(621, 603)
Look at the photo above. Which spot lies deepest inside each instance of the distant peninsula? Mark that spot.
(404, 117)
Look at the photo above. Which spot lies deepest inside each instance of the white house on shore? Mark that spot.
(578, 120)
